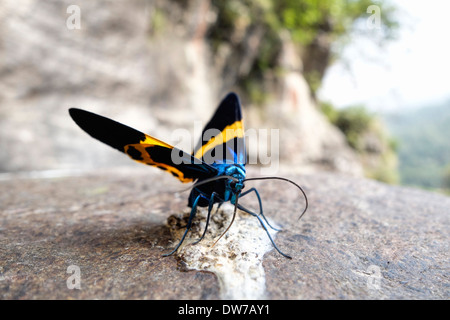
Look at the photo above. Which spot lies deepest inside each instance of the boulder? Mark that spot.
(101, 235)
(148, 65)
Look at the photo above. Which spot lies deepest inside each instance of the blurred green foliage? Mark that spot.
(369, 137)
(423, 145)
(353, 122)
(158, 20)
(304, 20)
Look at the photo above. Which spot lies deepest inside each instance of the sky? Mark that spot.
(412, 71)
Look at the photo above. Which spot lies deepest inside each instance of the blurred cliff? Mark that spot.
(162, 65)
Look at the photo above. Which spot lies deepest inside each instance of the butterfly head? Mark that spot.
(234, 185)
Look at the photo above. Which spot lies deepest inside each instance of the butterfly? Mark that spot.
(216, 166)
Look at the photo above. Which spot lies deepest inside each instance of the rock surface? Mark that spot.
(359, 239)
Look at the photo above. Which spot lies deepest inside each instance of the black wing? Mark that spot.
(223, 138)
(142, 147)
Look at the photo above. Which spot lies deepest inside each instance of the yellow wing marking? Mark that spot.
(147, 159)
(235, 130)
(153, 141)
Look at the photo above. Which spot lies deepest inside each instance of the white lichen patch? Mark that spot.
(236, 258)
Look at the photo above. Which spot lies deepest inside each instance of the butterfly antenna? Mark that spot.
(207, 181)
(232, 220)
(290, 181)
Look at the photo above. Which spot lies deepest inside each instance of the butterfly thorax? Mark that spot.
(232, 186)
(225, 189)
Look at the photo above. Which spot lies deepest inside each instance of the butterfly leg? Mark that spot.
(265, 228)
(260, 206)
(214, 195)
(188, 226)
